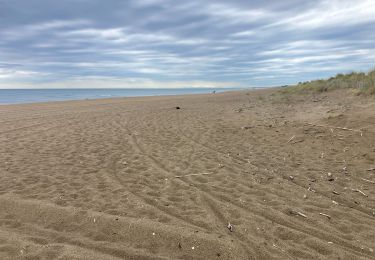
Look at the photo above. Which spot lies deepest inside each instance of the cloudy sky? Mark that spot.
(196, 43)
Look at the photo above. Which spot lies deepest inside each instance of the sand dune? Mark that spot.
(136, 178)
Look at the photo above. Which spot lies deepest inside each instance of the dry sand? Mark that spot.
(136, 178)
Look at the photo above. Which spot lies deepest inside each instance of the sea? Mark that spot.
(18, 96)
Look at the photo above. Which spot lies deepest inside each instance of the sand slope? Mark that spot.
(135, 178)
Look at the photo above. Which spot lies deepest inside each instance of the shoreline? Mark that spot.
(209, 91)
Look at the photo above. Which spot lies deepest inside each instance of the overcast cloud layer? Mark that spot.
(196, 43)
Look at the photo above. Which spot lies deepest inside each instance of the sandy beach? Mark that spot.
(235, 175)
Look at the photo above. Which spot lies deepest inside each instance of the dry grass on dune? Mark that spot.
(361, 84)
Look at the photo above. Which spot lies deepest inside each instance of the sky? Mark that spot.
(174, 44)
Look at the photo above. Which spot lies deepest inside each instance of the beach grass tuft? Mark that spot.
(359, 82)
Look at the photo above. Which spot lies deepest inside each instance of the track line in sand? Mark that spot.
(249, 246)
(193, 145)
(271, 216)
(31, 233)
(281, 221)
(163, 168)
(342, 200)
(61, 122)
(39, 220)
(159, 209)
(168, 213)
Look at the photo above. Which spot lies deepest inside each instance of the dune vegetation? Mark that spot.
(359, 83)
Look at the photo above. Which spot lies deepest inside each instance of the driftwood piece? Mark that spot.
(297, 141)
(297, 213)
(328, 216)
(193, 174)
(357, 190)
(373, 182)
(311, 189)
(291, 139)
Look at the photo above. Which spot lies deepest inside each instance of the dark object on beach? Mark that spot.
(330, 177)
(230, 227)
(179, 245)
(178, 108)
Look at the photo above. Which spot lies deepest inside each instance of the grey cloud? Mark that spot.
(242, 42)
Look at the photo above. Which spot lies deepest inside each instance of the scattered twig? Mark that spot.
(368, 180)
(371, 169)
(357, 190)
(335, 192)
(193, 174)
(328, 216)
(291, 139)
(336, 127)
(297, 213)
(278, 248)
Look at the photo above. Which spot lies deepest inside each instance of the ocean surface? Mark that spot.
(17, 96)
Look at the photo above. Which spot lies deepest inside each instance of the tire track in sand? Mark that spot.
(162, 210)
(279, 220)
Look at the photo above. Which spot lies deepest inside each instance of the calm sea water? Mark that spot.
(16, 96)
